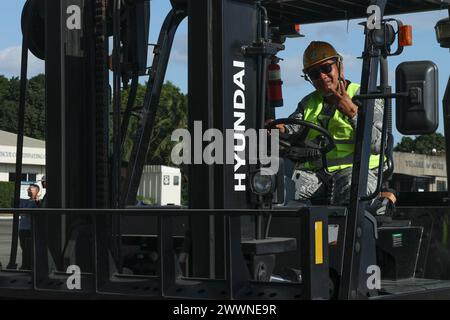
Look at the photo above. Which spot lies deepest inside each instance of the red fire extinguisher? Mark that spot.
(274, 90)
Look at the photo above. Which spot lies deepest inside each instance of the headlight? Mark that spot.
(385, 33)
(443, 32)
(263, 184)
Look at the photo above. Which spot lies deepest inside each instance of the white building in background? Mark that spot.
(161, 184)
(419, 172)
(33, 167)
(33, 163)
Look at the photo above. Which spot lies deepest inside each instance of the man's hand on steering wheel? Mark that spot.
(296, 146)
(280, 126)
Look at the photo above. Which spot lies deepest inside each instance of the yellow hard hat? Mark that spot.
(317, 52)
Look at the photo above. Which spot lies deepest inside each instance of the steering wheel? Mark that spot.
(296, 147)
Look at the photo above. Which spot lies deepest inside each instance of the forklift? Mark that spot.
(240, 237)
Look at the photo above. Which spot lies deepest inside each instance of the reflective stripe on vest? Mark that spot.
(340, 129)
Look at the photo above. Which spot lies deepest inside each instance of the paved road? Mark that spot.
(5, 243)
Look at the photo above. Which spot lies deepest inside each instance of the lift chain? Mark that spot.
(101, 102)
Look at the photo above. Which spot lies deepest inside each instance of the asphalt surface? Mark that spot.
(5, 243)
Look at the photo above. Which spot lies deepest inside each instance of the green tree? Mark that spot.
(171, 114)
(4, 84)
(9, 98)
(406, 145)
(6, 194)
(34, 125)
(422, 144)
(132, 126)
(35, 112)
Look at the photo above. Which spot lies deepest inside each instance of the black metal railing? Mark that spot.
(99, 276)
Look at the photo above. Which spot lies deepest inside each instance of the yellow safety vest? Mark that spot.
(340, 129)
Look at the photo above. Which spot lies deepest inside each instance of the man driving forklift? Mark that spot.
(331, 107)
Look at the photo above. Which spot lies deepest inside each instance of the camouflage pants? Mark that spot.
(310, 185)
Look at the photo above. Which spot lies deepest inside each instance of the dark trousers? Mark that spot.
(26, 244)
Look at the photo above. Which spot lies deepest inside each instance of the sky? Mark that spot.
(346, 36)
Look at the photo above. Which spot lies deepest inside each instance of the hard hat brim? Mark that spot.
(305, 70)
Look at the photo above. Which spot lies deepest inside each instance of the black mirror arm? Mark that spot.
(415, 95)
(383, 96)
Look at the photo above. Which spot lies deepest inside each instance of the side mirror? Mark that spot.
(417, 109)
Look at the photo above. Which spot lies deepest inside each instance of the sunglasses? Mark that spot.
(314, 74)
